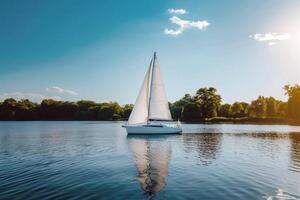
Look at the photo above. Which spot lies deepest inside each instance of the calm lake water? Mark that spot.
(97, 160)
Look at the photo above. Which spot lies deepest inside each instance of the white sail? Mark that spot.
(139, 113)
(158, 103)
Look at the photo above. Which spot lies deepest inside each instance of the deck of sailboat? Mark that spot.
(152, 129)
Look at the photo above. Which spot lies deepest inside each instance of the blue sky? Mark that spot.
(100, 50)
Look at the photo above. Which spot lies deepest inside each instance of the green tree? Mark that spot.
(237, 109)
(68, 110)
(178, 106)
(293, 104)
(258, 107)
(84, 110)
(8, 109)
(246, 107)
(108, 111)
(272, 109)
(57, 110)
(26, 110)
(225, 110)
(127, 109)
(209, 102)
(282, 109)
(9, 104)
(191, 112)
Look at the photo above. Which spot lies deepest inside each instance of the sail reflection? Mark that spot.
(151, 156)
(207, 145)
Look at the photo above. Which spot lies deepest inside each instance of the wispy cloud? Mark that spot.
(59, 90)
(185, 24)
(177, 11)
(172, 32)
(271, 38)
(31, 96)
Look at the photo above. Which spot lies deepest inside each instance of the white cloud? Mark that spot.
(271, 38)
(59, 90)
(185, 24)
(172, 32)
(31, 96)
(177, 11)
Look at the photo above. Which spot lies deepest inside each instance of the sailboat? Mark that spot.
(151, 113)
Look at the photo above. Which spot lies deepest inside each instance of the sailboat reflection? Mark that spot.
(151, 156)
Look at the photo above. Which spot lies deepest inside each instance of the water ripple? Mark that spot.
(75, 160)
(282, 195)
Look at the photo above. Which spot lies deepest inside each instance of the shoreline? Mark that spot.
(217, 120)
(247, 120)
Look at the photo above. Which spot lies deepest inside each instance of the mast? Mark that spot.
(150, 82)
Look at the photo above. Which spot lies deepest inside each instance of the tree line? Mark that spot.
(49, 109)
(205, 104)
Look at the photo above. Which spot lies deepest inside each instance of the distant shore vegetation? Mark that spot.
(205, 106)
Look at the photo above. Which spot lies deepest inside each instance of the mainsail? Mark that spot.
(151, 103)
(159, 106)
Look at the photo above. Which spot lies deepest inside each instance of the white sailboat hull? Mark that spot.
(152, 129)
